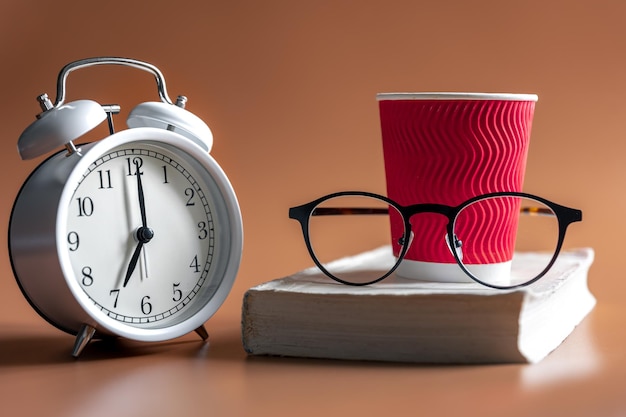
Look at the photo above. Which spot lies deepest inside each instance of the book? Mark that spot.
(401, 320)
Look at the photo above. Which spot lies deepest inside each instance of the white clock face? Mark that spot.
(141, 235)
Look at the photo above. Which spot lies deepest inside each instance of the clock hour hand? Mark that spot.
(133, 262)
(144, 234)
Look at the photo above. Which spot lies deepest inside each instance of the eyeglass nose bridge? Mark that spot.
(410, 212)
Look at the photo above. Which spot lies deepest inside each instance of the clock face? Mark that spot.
(142, 235)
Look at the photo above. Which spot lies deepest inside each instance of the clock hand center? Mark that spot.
(144, 234)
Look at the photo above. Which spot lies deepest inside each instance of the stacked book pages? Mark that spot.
(400, 320)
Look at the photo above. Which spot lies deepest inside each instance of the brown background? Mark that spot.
(288, 89)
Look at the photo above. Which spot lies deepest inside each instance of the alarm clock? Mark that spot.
(138, 235)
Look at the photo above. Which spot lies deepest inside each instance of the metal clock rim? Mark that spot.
(12, 261)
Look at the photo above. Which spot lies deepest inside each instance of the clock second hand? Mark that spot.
(144, 234)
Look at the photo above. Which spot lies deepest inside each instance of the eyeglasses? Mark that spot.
(351, 222)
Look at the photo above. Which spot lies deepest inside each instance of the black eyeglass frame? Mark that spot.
(565, 217)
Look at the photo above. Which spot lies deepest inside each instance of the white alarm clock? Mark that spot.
(137, 235)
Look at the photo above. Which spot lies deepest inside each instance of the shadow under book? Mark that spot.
(399, 320)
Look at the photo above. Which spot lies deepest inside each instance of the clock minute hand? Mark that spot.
(144, 234)
(142, 201)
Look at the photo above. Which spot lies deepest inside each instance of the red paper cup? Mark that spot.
(446, 148)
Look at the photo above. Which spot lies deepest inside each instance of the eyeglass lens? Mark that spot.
(498, 235)
(347, 226)
(490, 231)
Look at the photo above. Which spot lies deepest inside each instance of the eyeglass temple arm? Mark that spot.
(536, 211)
(337, 211)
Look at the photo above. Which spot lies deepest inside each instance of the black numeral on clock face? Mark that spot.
(105, 179)
(116, 294)
(195, 265)
(87, 278)
(178, 294)
(146, 307)
(203, 231)
(85, 206)
(134, 165)
(191, 194)
(73, 240)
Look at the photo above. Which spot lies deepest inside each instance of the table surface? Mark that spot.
(585, 376)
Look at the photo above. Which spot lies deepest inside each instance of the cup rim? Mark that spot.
(456, 96)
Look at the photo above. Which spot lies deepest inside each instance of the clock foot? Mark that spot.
(201, 331)
(85, 334)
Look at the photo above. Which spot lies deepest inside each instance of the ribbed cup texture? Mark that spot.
(448, 151)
